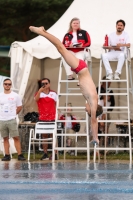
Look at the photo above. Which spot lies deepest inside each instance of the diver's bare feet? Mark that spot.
(37, 30)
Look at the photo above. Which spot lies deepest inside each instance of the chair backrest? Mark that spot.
(44, 127)
(87, 54)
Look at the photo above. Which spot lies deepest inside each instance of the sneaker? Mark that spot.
(21, 157)
(116, 76)
(44, 157)
(6, 158)
(109, 77)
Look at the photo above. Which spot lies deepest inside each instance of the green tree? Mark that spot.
(17, 15)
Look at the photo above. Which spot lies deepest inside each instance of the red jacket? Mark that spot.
(82, 37)
(62, 117)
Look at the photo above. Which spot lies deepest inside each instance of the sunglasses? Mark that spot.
(9, 84)
(46, 83)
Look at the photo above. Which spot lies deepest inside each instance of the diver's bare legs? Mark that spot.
(87, 86)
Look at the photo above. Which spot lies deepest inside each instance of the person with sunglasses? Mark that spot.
(86, 83)
(46, 101)
(10, 106)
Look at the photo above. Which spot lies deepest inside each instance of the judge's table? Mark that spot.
(24, 131)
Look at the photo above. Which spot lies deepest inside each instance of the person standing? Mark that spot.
(10, 106)
(46, 101)
(75, 40)
(117, 42)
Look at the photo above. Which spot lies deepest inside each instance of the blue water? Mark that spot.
(61, 181)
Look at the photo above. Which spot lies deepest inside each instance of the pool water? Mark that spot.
(65, 180)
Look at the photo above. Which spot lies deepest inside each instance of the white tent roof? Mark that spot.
(98, 17)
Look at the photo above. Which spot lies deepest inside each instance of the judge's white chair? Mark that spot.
(88, 59)
(42, 128)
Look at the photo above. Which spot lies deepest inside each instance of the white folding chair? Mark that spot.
(88, 59)
(42, 128)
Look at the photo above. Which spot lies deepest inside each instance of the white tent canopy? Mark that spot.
(38, 58)
(98, 17)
